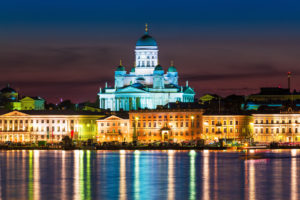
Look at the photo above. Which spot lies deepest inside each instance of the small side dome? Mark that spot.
(172, 69)
(158, 68)
(8, 89)
(132, 69)
(120, 68)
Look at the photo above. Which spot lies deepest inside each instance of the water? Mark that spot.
(147, 175)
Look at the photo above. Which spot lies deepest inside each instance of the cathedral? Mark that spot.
(146, 85)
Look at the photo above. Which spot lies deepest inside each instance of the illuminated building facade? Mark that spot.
(166, 125)
(281, 127)
(146, 85)
(217, 127)
(114, 128)
(34, 126)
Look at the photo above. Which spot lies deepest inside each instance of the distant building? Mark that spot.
(50, 126)
(29, 103)
(222, 126)
(166, 125)
(277, 127)
(8, 94)
(146, 85)
(114, 128)
(208, 97)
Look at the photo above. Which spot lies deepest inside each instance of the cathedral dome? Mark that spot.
(172, 69)
(158, 68)
(146, 40)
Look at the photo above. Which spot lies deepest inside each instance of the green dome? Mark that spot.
(172, 69)
(158, 68)
(132, 69)
(146, 40)
(120, 68)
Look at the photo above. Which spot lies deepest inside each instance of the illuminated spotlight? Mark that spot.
(206, 151)
(137, 152)
(251, 151)
(192, 153)
(294, 152)
(122, 151)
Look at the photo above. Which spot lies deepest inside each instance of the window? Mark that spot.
(283, 130)
(230, 122)
(224, 122)
(212, 122)
(149, 124)
(277, 130)
(186, 124)
(236, 122)
(290, 130)
(267, 121)
(267, 130)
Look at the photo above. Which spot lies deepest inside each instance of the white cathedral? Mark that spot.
(146, 85)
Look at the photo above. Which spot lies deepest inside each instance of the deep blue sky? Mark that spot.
(70, 48)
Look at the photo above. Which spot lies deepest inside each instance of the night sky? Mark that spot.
(69, 48)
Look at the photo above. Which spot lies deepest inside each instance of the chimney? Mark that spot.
(289, 81)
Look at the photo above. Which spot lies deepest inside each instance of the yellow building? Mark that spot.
(166, 125)
(281, 127)
(237, 127)
(50, 126)
(114, 128)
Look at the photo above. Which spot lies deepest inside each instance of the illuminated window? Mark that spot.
(283, 130)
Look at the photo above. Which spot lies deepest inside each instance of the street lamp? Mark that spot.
(192, 117)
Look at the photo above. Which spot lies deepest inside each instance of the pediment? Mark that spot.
(15, 113)
(130, 89)
(189, 91)
(113, 117)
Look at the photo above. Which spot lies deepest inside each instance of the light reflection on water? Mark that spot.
(147, 175)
